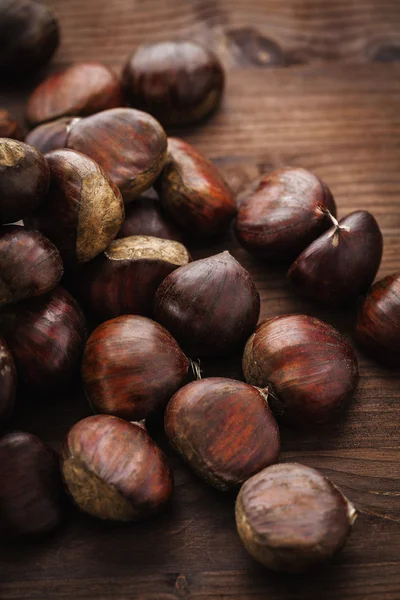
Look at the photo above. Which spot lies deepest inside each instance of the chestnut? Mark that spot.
(113, 469)
(24, 179)
(50, 136)
(283, 215)
(179, 82)
(291, 518)
(193, 192)
(82, 212)
(210, 306)
(31, 487)
(146, 216)
(131, 367)
(46, 336)
(8, 381)
(30, 265)
(342, 263)
(130, 145)
(223, 429)
(9, 128)
(308, 367)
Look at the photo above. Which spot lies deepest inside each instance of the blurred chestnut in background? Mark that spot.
(46, 337)
(179, 82)
(8, 381)
(30, 265)
(290, 517)
(50, 136)
(9, 127)
(82, 212)
(342, 263)
(24, 179)
(146, 216)
(223, 429)
(130, 145)
(282, 216)
(308, 367)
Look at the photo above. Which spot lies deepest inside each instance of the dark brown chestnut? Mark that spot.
(46, 337)
(9, 127)
(130, 145)
(146, 216)
(223, 429)
(179, 82)
(290, 517)
(378, 321)
(342, 263)
(31, 487)
(8, 381)
(132, 367)
(50, 136)
(82, 212)
(193, 192)
(283, 215)
(308, 367)
(210, 306)
(30, 265)
(24, 179)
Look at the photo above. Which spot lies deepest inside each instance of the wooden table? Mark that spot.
(328, 101)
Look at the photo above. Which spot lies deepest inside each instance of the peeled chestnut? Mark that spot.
(283, 215)
(9, 128)
(50, 136)
(130, 145)
(193, 192)
(223, 429)
(146, 216)
(178, 82)
(82, 212)
(46, 337)
(8, 381)
(113, 469)
(308, 368)
(378, 321)
(30, 265)
(31, 488)
(24, 179)
(290, 517)
(342, 263)
(210, 306)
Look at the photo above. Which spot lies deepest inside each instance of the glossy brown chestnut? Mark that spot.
(50, 136)
(210, 306)
(31, 488)
(146, 216)
(24, 179)
(30, 265)
(82, 212)
(223, 429)
(46, 337)
(342, 263)
(8, 381)
(290, 517)
(308, 367)
(132, 367)
(130, 145)
(282, 216)
(378, 321)
(9, 128)
(193, 192)
(178, 82)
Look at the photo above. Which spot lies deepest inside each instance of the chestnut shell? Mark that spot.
(50, 136)
(146, 216)
(8, 381)
(9, 128)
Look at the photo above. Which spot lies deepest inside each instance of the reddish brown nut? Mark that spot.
(113, 469)
(290, 517)
(9, 127)
(8, 381)
(50, 136)
(146, 216)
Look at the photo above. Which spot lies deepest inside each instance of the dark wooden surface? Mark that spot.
(329, 101)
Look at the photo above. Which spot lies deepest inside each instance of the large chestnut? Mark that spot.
(290, 517)
(223, 429)
(210, 306)
(283, 215)
(30, 265)
(308, 367)
(50, 136)
(46, 336)
(193, 192)
(342, 263)
(130, 145)
(146, 216)
(132, 367)
(178, 82)
(82, 212)
(113, 469)
(9, 127)
(8, 381)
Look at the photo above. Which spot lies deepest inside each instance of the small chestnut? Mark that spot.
(290, 517)
(8, 381)
(113, 469)
(223, 429)
(50, 136)
(9, 128)
(146, 216)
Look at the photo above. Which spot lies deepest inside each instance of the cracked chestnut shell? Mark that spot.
(50, 136)
(308, 367)
(8, 381)
(290, 517)
(146, 216)
(9, 127)
(224, 429)
(113, 469)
